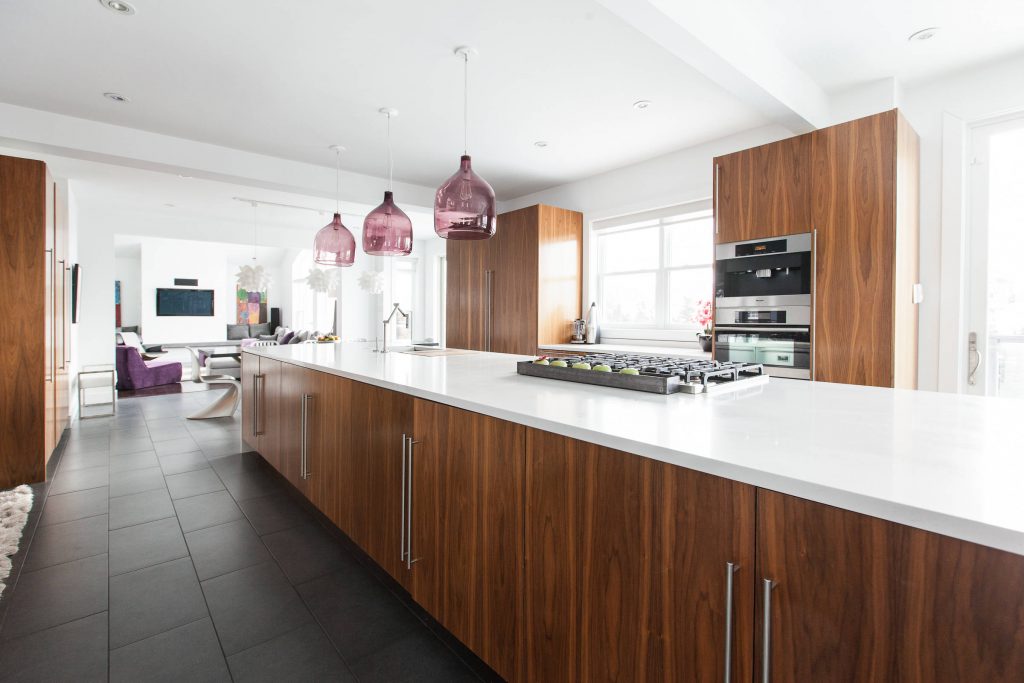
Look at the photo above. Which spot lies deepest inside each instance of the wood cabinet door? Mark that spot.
(294, 385)
(626, 573)
(62, 312)
(854, 213)
(466, 504)
(50, 321)
(250, 368)
(511, 283)
(857, 598)
(371, 481)
(331, 482)
(268, 412)
(466, 262)
(764, 191)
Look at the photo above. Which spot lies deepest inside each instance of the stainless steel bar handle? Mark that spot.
(48, 374)
(401, 555)
(730, 570)
(718, 176)
(306, 398)
(63, 315)
(973, 358)
(408, 511)
(487, 310)
(256, 404)
(766, 636)
(814, 301)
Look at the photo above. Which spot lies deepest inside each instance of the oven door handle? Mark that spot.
(760, 328)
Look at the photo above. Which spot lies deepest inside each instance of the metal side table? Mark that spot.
(92, 377)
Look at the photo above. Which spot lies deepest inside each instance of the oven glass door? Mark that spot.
(788, 349)
(763, 276)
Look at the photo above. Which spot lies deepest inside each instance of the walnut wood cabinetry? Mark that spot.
(865, 216)
(627, 563)
(555, 559)
(520, 288)
(855, 186)
(764, 191)
(33, 371)
(466, 510)
(857, 598)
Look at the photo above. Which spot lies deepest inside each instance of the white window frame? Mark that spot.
(661, 330)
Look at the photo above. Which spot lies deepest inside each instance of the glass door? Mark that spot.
(995, 262)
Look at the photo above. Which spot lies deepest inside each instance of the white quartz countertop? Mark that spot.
(940, 462)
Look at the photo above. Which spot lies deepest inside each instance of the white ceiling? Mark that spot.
(843, 44)
(288, 79)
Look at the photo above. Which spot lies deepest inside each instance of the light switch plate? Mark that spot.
(918, 293)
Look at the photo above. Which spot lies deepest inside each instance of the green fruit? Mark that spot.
(559, 364)
(542, 361)
(581, 366)
(629, 371)
(602, 368)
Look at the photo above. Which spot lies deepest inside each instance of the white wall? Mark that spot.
(128, 269)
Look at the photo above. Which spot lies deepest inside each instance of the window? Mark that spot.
(311, 310)
(652, 270)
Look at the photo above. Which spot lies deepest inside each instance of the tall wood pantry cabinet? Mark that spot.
(854, 186)
(519, 289)
(34, 320)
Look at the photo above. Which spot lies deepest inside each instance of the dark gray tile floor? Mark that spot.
(161, 550)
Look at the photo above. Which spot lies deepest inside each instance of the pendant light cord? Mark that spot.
(254, 224)
(337, 181)
(465, 103)
(391, 161)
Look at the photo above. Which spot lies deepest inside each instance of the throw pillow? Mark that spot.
(286, 339)
(281, 332)
(238, 332)
(259, 330)
(268, 337)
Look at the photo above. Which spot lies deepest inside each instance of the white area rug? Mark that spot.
(14, 507)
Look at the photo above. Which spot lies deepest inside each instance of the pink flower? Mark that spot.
(703, 315)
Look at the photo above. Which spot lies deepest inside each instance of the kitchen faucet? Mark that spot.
(394, 311)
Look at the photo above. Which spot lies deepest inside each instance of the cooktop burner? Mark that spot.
(656, 374)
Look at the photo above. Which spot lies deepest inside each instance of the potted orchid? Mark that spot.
(703, 318)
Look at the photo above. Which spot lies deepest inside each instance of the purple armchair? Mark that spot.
(135, 373)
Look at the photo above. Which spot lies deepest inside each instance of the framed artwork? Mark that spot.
(117, 303)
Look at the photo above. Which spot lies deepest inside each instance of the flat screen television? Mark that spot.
(184, 302)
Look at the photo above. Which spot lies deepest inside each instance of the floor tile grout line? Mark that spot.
(150, 566)
(5, 641)
(173, 628)
(202, 592)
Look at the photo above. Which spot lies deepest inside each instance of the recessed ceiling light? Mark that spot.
(118, 6)
(117, 97)
(541, 143)
(924, 34)
(640, 105)
(184, 177)
(170, 206)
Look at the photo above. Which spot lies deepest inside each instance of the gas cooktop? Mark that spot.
(655, 374)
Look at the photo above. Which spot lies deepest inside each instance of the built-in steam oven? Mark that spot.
(763, 304)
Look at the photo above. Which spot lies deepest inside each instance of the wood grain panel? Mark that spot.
(250, 367)
(854, 213)
(464, 308)
(331, 480)
(467, 529)
(559, 274)
(372, 453)
(908, 271)
(269, 418)
(764, 191)
(26, 364)
(626, 567)
(512, 261)
(862, 599)
(294, 382)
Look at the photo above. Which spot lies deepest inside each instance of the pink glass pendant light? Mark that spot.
(464, 207)
(387, 230)
(334, 244)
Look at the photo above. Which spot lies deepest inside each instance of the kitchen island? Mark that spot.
(876, 515)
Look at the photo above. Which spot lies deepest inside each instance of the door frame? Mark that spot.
(975, 251)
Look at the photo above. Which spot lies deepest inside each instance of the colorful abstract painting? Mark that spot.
(250, 307)
(117, 303)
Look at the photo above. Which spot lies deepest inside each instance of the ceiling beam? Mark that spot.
(720, 43)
